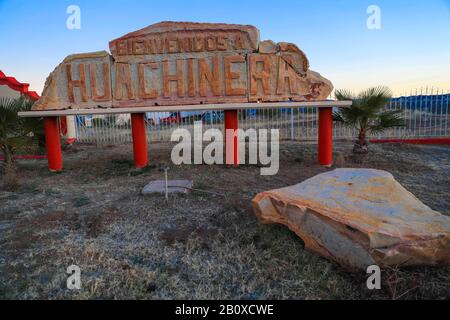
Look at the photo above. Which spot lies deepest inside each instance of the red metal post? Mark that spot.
(63, 125)
(326, 136)
(139, 140)
(53, 143)
(231, 140)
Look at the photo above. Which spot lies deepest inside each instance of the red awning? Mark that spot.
(18, 86)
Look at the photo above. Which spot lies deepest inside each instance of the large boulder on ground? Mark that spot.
(359, 217)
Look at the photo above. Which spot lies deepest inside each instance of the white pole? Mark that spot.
(167, 187)
(292, 123)
(71, 132)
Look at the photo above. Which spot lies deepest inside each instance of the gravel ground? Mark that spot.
(197, 245)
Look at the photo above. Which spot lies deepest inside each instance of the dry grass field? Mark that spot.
(198, 245)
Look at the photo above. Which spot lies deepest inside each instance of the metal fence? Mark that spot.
(425, 115)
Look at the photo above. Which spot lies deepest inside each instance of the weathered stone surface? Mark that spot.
(273, 78)
(185, 38)
(359, 217)
(294, 56)
(267, 46)
(210, 78)
(81, 80)
(318, 88)
(183, 63)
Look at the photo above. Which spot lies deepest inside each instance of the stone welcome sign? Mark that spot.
(183, 63)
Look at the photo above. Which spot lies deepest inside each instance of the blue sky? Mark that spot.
(411, 50)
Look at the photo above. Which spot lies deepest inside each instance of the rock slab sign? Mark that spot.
(184, 63)
(359, 217)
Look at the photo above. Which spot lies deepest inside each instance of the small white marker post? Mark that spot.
(167, 187)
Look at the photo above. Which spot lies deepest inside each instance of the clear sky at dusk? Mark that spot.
(411, 50)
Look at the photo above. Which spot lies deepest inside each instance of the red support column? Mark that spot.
(139, 140)
(53, 143)
(326, 136)
(231, 140)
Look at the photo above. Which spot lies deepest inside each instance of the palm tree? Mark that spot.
(367, 114)
(16, 132)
